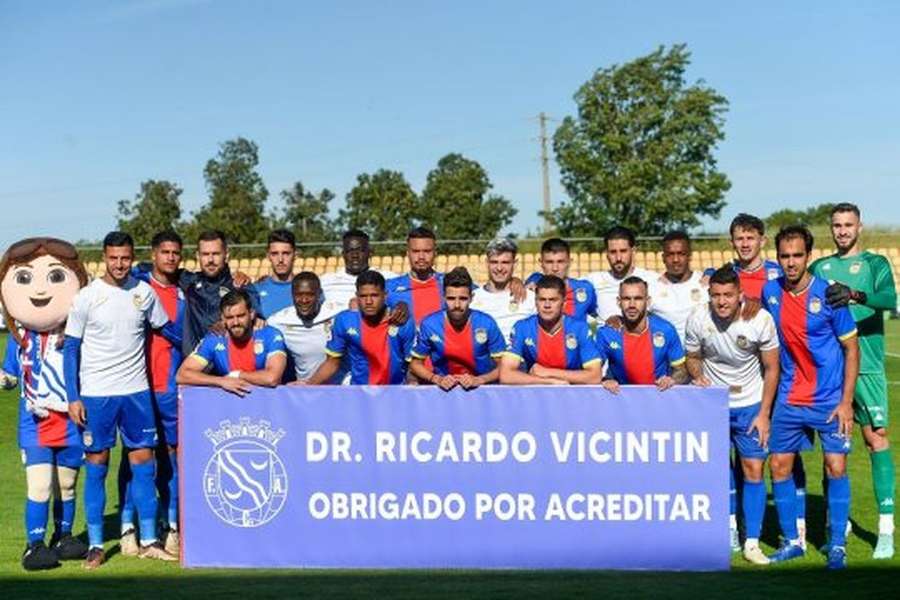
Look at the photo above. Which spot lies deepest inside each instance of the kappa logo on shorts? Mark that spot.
(245, 482)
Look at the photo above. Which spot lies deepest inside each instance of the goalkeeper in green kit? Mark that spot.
(864, 282)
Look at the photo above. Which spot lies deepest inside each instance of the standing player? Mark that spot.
(274, 291)
(679, 291)
(242, 357)
(864, 282)
(106, 385)
(421, 288)
(620, 248)
(551, 347)
(819, 366)
(741, 354)
(496, 297)
(464, 345)
(340, 288)
(377, 349)
(580, 299)
(647, 350)
(163, 359)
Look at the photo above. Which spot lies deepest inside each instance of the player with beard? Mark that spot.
(678, 291)
(241, 358)
(274, 290)
(340, 288)
(646, 350)
(863, 281)
(620, 245)
(422, 288)
(464, 345)
(496, 297)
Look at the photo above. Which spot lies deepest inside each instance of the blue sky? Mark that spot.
(97, 96)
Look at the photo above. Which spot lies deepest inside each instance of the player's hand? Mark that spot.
(517, 289)
(844, 415)
(445, 382)
(258, 324)
(240, 279)
(704, 281)
(236, 386)
(750, 309)
(554, 381)
(218, 328)
(77, 413)
(468, 381)
(353, 304)
(399, 315)
(615, 322)
(838, 295)
(299, 382)
(540, 371)
(610, 385)
(664, 383)
(761, 424)
(702, 381)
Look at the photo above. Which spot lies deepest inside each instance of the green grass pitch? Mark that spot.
(131, 578)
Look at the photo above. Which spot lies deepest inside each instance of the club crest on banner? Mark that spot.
(245, 482)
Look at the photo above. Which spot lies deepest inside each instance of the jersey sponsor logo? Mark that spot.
(855, 267)
(392, 331)
(826, 267)
(263, 293)
(773, 274)
(245, 482)
(659, 340)
(481, 336)
(815, 306)
(400, 288)
(220, 347)
(742, 342)
(581, 295)
(571, 341)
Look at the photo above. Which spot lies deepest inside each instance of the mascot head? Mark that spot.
(39, 278)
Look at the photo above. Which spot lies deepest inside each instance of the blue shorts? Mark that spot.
(61, 456)
(746, 444)
(166, 404)
(794, 428)
(131, 414)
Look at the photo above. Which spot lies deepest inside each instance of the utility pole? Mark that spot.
(545, 170)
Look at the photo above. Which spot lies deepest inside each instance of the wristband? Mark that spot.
(236, 374)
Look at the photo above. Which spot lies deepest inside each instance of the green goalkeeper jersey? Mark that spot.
(869, 273)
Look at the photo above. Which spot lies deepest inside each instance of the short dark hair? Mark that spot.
(233, 298)
(116, 239)
(745, 221)
(677, 235)
(551, 282)
(725, 275)
(790, 232)
(554, 245)
(845, 207)
(458, 277)
(633, 280)
(355, 233)
(619, 233)
(370, 277)
(212, 235)
(165, 236)
(420, 233)
(307, 276)
(282, 236)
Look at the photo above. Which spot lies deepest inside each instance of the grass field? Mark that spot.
(129, 578)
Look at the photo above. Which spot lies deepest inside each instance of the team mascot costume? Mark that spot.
(39, 278)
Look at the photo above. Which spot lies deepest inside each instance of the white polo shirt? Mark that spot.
(339, 288)
(675, 302)
(607, 288)
(503, 308)
(112, 324)
(305, 341)
(731, 357)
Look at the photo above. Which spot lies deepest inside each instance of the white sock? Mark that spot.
(751, 543)
(801, 523)
(732, 521)
(145, 543)
(126, 527)
(886, 524)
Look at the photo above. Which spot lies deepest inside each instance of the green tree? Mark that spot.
(814, 216)
(640, 151)
(155, 208)
(382, 204)
(237, 194)
(306, 214)
(457, 202)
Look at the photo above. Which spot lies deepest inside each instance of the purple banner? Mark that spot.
(414, 477)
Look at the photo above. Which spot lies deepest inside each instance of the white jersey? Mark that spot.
(305, 342)
(339, 288)
(675, 302)
(607, 288)
(111, 322)
(503, 308)
(731, 357)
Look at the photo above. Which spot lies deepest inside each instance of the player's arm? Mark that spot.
(678, 374)
(771, 364)
(511, 375)
(272, 374)
(884, 294)
(75, 326)
(423, 373)
(193, 372)
(11, 371)
(326, 371)
(694, 366)
(590, 373)
(844, 410)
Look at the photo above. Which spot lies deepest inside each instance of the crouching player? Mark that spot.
(741, 354)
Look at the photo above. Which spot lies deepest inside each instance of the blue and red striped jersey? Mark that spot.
(581, 298)
(472, 350)
(379, 354)
(570, 347)
(164, 357)
(38, 364)
(422, 297)
(752, 282)
(225, 355)
(642, 358)
(811, 332)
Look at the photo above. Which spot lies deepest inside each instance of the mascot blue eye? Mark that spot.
(56, 276)
(23, 277)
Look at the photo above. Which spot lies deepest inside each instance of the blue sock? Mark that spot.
(786, 502)
(173, 491)
(838, 509)
(732, 494)
(799, 476)
(754, 505)
(95, 502)
(126, 501)
(143, 489)
(36, 515)
(66, 516)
